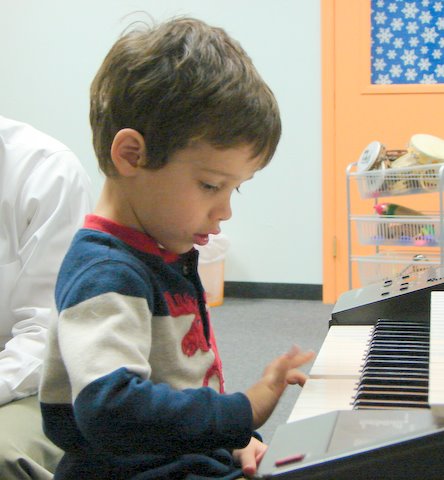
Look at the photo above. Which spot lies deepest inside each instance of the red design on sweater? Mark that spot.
(195, 338)
(215, 369)
(181, 304)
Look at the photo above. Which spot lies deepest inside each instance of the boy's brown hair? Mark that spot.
(178, 82)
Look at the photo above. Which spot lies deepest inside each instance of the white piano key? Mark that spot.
(436, 388)
(342, 353)
(323, 395)
(436, 363)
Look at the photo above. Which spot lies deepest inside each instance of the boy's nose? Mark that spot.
(223, 210)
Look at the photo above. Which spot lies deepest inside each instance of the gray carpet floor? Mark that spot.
(250, 333)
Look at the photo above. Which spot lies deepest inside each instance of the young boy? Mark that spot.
(133, 385)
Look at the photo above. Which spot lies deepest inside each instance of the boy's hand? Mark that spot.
(250, 456)
(265, 394)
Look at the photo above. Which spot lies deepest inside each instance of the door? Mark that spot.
(357, 110)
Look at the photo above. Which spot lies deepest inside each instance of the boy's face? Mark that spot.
(185, 201)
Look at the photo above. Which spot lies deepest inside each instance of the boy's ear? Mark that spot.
(128, 151)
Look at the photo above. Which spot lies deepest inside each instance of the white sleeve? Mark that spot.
(50, 208)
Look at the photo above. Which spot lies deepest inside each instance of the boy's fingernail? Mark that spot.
(294, 350)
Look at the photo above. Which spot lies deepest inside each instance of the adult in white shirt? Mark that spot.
(44, 196)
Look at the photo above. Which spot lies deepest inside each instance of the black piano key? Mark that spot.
(406, 341)
(394, 380)
(408, 347)
(393, 387)
(407, 334)
(393, 372)
(390, 353)
(402, 327)
(395, 367)
(400, 360)
(367, 405)
(389, 404)
(406, 344)
(381, 352)
(400, 338)
(399, 323)
(392, 396)
(407, 364)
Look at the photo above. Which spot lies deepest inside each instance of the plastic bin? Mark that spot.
(387, 265)
(418, 231)
(211, 268)
(398, 181)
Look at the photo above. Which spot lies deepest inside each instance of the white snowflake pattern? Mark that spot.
(411, 74)
(397, 24)
(429, 35)
(425, 17)
(424, 64)
(398, 43)
(410, 10)
(391, 54)
(428, 79)
(412, 28)
(380, 18)
(407, 43)
(379, 64)
(409, 57)
(383, 80)
(384, 35)
(396, 71)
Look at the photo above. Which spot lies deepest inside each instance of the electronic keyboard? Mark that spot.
(382, 359)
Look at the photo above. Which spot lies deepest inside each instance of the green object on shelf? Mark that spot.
(394, 209)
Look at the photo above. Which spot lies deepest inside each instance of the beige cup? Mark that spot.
(427, 148)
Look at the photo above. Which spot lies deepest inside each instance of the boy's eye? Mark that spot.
(214, 188)
(209, 187)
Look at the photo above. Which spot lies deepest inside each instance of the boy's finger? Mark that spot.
(296, 377)
(301, 358)
(248, 462)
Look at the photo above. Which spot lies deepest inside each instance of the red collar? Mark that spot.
(130, 236)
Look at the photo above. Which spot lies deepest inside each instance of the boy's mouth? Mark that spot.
(200, 239)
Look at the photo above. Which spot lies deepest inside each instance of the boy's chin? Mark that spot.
(178, 249)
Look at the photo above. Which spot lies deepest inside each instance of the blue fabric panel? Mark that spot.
(407, 42)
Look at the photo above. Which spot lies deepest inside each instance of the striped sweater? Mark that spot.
(132, 384)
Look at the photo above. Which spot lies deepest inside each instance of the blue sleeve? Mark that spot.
(123, 414)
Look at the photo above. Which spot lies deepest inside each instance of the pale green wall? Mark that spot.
(51, 49)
